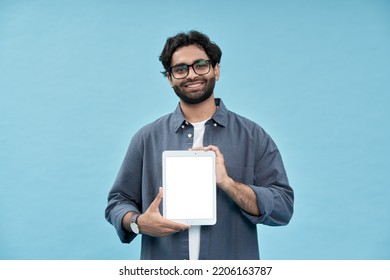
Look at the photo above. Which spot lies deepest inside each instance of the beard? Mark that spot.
(197, 96)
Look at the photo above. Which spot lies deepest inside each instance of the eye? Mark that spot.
(202, 64)
(180, 69)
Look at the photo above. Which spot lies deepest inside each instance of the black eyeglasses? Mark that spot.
(201, 67)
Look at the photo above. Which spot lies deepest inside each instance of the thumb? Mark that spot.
(157, 201)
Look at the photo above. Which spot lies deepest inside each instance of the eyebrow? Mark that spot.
(195, 61)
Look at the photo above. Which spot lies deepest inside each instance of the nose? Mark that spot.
(191, 73)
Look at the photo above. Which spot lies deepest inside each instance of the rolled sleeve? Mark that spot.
(115, 218)
(125, 195)
(275, 207)
(274, 195)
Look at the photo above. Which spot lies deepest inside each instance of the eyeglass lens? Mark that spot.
(201, 67)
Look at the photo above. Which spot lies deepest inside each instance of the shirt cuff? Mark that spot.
(124, 235)
(265, 202)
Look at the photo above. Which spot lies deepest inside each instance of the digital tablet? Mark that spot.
(189, 186)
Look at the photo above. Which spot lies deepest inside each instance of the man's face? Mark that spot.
(194, 88)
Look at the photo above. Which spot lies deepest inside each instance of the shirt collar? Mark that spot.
(220, 117)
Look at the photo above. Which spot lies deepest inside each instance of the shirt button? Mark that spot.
(215, 124)
(182, 126)
(189, 135)
(186, 123)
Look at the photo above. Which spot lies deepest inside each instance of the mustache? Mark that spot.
(197, 79)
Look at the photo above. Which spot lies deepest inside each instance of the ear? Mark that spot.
(217, 71)
(169, 77)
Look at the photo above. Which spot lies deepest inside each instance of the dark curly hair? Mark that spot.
(186, 39)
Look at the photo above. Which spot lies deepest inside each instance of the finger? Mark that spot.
(176, 226)
(168, 232)
(167, 227)
(208, 148)
(198, 149)
(211, 148)
(215, 149)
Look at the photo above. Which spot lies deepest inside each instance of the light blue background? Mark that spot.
(79, 78)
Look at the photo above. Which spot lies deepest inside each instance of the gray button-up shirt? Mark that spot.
(251, 157)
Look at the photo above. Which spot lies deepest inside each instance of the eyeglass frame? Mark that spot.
(210, 63)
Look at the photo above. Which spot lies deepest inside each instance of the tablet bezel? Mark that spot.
(167, 199)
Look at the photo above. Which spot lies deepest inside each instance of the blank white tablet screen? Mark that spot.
(190, 188)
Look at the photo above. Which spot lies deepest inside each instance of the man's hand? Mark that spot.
(242, 194)
(152, 223)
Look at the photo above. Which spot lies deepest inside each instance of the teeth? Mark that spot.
(194, 85)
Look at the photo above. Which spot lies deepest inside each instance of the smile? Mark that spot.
(194, 85)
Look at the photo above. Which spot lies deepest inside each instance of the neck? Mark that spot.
(199, 112)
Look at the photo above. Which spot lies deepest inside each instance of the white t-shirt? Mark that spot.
(194, 231)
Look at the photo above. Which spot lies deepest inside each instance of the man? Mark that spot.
(252, 183)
